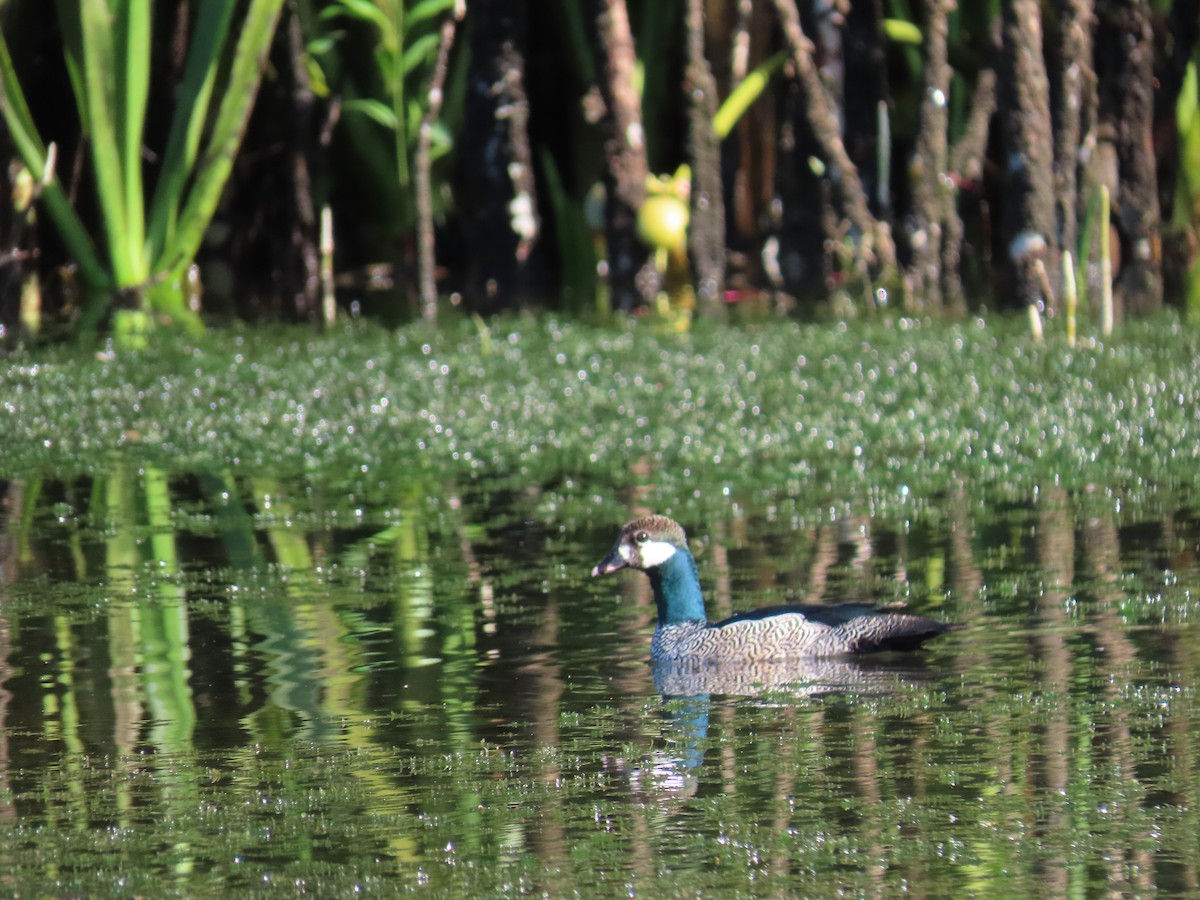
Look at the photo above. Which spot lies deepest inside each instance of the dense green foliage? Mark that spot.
(147, 235)
(467, 148)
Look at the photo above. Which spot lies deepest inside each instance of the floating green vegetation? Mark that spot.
(886, 412)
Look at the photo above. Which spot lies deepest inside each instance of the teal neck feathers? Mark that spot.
(676, 587)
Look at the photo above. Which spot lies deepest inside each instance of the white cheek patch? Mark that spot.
(652, 553)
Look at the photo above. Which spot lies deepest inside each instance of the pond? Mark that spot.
(243, 680)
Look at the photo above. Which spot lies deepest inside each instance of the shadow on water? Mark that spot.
(218, 683)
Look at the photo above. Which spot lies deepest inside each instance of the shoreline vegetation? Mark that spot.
(406, 158)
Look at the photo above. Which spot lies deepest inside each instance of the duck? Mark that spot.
(657, 545)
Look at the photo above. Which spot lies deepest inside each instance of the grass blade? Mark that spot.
(743, 96)
(249, 62)
(99, 62)
(131, 34)
(187, 124)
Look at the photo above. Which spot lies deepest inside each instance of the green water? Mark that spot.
(255, 640)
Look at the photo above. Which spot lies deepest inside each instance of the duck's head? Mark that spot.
(644, 544)
(657, 546)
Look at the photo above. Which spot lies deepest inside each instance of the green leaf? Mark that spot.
(899, 31)
(419, 53)
(99, 63)
(380, 112)
(209, 36)
(440, 139)
(249, 63)
(316, 76)
(324, 44)
(131, 45)
(425, 10)
(363, 11)
(743, 96)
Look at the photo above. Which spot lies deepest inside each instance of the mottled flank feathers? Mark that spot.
(658, 546)
(783, 634)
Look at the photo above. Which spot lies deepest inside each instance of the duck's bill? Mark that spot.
(610, 563)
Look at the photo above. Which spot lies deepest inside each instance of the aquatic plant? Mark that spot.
(387, 94)
(146, 249)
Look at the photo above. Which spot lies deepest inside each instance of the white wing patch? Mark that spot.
(649, 554)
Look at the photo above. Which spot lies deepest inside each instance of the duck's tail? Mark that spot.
(894, 632)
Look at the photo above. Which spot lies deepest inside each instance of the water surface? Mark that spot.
(230, 685)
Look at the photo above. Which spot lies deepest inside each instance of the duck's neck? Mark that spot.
(676, 587)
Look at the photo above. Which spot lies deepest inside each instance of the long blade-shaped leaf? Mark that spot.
(131, 46)
(27, 142)
(397, 86)
(187, 124)
(244, 78)
(743, 96)
(98, 63)
(68, 21)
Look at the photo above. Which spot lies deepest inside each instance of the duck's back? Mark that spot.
(784, 632)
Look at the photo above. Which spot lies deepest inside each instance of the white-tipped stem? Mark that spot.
(1070, 295)
(1035, 322)
(51, 162)
(328, 302)
(883, 161)
(1039, 268)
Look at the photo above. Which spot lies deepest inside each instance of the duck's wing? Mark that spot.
(830, 616)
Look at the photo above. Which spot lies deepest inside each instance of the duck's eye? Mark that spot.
(642, 537)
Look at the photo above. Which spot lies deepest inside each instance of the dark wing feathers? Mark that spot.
(832, 616)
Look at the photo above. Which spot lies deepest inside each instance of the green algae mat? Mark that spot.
(888, 409)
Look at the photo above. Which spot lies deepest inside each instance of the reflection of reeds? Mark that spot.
(148, 631)
(288, 543)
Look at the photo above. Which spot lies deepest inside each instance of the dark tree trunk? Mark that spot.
(934, 207)
(751, 155)
(1030, 230)
(873, 245)
(1124, 62)
(301, 272)
(865, 80)
(501, 213)
(800, 255)
(1075, 102)
(967, 169)
(706, 230)
(631, 281)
